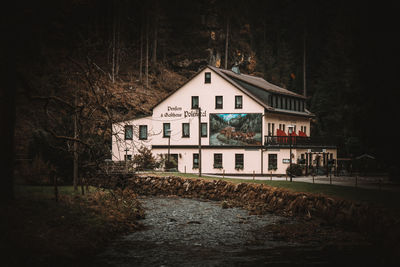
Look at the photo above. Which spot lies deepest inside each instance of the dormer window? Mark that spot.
(207, 77)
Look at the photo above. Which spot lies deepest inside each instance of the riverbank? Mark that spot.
(42, 232)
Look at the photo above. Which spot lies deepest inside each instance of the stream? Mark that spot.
(193, 232)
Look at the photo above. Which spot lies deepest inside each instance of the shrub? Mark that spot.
(295, 170)
(145, 160)
(41, 172)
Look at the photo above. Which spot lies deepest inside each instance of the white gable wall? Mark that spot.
(119, 144)
(206, 93)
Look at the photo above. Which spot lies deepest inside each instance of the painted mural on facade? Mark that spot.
(236, 129)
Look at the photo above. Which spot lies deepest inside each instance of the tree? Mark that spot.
(145, 160)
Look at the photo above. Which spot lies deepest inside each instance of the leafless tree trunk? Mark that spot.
(113, 52)
(154, 55)
(141, 54)
(304, 63)
(115, 42)
(7, 122)
(75, 173)
(226, 43)
(147, 52)
(118, 46)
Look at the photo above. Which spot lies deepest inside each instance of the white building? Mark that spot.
(244, 121)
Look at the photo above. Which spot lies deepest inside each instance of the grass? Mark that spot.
(381, 198)
(64, 233)
(45, 192)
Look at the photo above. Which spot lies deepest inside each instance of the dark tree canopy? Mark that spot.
(350, 71)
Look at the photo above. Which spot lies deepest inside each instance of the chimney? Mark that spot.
(235, 69)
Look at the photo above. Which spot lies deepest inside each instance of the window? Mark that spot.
(283, 127)
(195, 102)
(185, 130)
(166, 129)
(297, 105)
(195, 161)
(142, 132)
(217, 161)
(204, 129)
(272, 161)
(128, 132)
(239, 161)
(218, 102)
(238, 101)
(271, 129)
(305, 129)
(207, 77)
(127, 157)
(282, 102)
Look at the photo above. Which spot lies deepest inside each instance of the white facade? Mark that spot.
(176, 110)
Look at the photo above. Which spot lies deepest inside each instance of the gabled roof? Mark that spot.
(260, 83)
(255, 87)
(259, 89)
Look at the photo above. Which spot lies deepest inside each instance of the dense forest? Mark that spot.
(81, 65)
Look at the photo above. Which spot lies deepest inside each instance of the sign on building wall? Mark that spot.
(237, 129)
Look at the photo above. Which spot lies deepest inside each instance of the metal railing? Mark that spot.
(296, 141)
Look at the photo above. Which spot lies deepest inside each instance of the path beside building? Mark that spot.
(380, 183)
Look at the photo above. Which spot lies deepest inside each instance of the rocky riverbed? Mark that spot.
(192, 232)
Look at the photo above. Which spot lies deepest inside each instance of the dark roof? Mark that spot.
(259, 90)
(260, 83)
